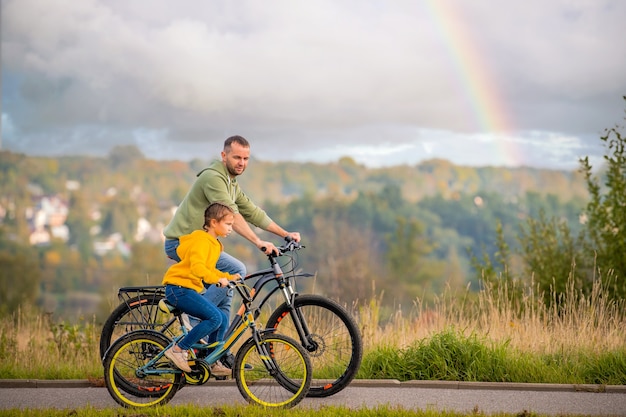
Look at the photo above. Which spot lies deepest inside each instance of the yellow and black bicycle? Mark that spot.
(271, 369)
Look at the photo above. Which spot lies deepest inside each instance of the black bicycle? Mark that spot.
(324, 328)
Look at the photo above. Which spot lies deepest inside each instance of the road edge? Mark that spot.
(373, 383)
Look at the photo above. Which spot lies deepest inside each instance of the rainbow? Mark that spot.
(474, 77)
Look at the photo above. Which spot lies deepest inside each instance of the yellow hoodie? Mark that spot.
(199, 252)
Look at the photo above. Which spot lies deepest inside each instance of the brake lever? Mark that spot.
(295, 245)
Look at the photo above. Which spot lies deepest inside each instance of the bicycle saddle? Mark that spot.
(166, 307)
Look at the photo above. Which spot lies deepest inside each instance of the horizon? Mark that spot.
(253, 158)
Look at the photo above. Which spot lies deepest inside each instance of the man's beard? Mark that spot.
(231, 170)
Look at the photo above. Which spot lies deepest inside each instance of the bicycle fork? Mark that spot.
(299, 321)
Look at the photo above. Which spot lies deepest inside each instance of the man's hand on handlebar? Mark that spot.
(293, 236)
(268, 247)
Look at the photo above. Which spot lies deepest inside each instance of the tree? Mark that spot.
(124, 156)
(411, 271)
(605, 234)
(147, 266)
(78, 223)
(350, 261)
(19, 275)
(550, 253)
(553, 255)
(120, 216)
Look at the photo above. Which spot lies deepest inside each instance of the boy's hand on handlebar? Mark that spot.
(223, 282)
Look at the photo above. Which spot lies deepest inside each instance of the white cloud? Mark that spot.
(426, 79)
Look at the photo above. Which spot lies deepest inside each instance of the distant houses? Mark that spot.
(47, 217)
(47, 220)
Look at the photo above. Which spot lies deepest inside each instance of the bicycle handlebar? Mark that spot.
(289, 246)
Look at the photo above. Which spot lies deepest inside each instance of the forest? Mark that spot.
(400, 234)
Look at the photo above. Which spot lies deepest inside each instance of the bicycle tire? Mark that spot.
(141, 312)
(338, 346)
(128, 385)
(283, 385)
(122, 362)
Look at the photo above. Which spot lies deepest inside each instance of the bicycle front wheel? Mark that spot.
(128, 379)
(275, 373)
(331, 338)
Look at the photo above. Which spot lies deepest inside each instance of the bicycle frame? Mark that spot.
(284, 284)
(247, 322)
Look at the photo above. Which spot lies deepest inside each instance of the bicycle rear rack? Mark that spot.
(142, 303)
(128, 295)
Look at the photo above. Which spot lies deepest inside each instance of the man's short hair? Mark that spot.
(240, 140)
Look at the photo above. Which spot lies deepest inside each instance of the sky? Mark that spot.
(479, 83)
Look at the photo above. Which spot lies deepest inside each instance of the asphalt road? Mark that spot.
(452, 396)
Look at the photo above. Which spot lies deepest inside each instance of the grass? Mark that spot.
(465, 337)
(488, 336)
(492, 336)
(32, 346)
(248, 411)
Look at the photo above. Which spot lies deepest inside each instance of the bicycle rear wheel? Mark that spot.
(332, 336)
(141, 312)
(125, 376)
(278, 371)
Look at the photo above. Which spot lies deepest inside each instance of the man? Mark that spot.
(218, 183)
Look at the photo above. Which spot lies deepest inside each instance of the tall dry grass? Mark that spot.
(33, 346)
(573, 322)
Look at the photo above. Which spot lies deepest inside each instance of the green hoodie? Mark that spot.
(213, 185)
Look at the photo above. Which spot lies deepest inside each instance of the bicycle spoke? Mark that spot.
(280, 379)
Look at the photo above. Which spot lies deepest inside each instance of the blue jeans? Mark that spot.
(221, 297)
(212, 321)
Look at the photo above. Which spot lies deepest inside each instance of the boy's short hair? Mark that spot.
(216, 211)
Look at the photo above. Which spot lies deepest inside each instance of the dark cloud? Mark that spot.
(387, 83)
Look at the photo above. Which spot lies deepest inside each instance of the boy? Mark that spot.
(199, 252)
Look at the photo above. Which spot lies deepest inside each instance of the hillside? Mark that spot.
(165, 181)
(103, 218)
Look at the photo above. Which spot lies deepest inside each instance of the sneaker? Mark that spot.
(178, 358)
(217, 369)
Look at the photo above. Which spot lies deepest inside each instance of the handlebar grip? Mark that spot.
(263, 249)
